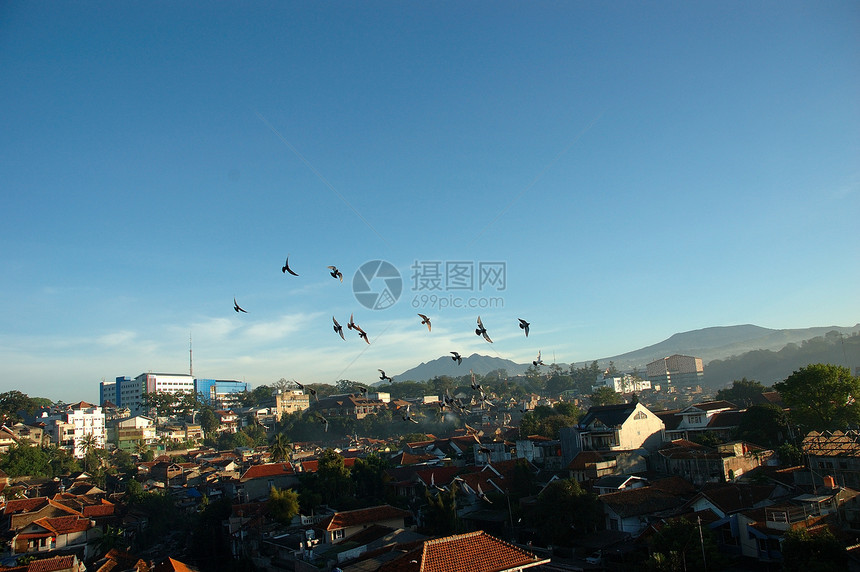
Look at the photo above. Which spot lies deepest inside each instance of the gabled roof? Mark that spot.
(709, 406)
(24, 505)
(64, 524)
(584, 458)
(608, 415)
(725, 420)
(642, 501)
(267, 471)
(471, 552)
(731, 497)
(363, 516)
(52, 564)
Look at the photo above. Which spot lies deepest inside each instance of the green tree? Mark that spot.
(368, 476)
(209, 422)
(683, 538)
(606, 396)
(279, 448)
(564, 510)
(88, 444)
(822, 396)
(25, 460)
(13, 402)
(440, 515)
(742, 392)
(283, 504)
(763, 425)
(819, 552)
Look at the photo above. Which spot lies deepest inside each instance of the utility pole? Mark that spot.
(702, 542)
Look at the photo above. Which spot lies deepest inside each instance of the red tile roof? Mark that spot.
(363, 516)
(52, 564)
(267, 470)
(24, 505)
(472, 552)
(64, 524)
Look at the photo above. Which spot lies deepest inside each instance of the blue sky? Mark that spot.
(641, 169)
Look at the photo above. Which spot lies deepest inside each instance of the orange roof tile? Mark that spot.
(173, 565)
(52, 564)
(267, 470)
(471, 552)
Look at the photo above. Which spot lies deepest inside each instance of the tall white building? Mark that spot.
(69, 427)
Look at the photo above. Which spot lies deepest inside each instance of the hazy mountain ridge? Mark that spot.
(727, 344)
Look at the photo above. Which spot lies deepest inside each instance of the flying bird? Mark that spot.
(425, 320)
(362, 334)
(322, 419)
(286, 268)
(337, 327)
(351, 324)
(408, 416)
(361, 389)
(538, 361)
(475, 385)
(483, 496)
(313, 392)
(457, 358)
(383, 377)
(237, 307)
(482, 331)
(335, 273)
(524, 326)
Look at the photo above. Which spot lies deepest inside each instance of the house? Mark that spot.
(46, 534)
(700, 464)
(622, 427)
(697, 417)
(258, 480)
(349, 406)
(471, 552)
(342, 525)
(615, 483)
(133, 430)
(632, 510)
(836, 454)
(68, 563)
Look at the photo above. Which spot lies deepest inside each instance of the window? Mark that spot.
(337, 534)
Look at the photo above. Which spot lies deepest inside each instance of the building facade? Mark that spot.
(220, 393)
(676, 370)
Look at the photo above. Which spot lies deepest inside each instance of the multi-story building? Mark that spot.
(676, 370)
(131, 431)
(291, 401)
(621, 383)
(613, 428)
(220, 393)
(69, 427)
(128, 393)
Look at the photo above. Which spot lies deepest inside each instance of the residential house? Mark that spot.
(835, 454)
(342, 525)
(291, 401)
(632, 510)
(258, 480)
(700, 464)
(69, 427)
(52, 533)
(132, 430)
(349, 406)
(698, 418)
(622, 427)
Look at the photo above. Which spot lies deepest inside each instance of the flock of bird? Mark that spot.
(453, 404)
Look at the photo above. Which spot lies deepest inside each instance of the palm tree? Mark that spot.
(88, 445)
(280, 447)
(140, 448)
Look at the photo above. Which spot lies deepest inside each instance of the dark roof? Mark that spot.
(731, 497)
(609, 415)
(725, 420)
(642, 501)
(670, 418)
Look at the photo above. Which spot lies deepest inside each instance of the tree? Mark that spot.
(208, 421)
(820, 552)
(564, 510)
(680, 540)
(283, 505)
(742, 392)
(334, 476)
(368, 476)
(822, 396)
(763, 425)
(440, 516)
(279, 448)
(606, 396)
(26, 460)
(13, 402)
(88, 445)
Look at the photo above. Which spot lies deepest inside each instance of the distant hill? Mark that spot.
(444, 365)
(729, 353)
(720, 342)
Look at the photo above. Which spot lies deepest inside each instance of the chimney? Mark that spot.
(830, 482)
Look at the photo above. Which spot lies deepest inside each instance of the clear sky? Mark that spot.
(635, 169)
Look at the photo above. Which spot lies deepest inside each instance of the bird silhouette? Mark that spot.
(383, 377)
(483, 496)
(351, 324)
(313, 392)
(286, 268)
(361, 389)
(337, 327)
(524, 326)
(482, 331)
(425, 320)
(475, 385)
(457, 358)
(362, 334)
(322, 419)
(538, 361)
(237, 307)
(335, 273)
(408, 416)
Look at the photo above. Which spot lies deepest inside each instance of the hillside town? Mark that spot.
(637, 470)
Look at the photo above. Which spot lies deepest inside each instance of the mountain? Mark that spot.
(725, 345)
(444, 365)
(720, 342)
